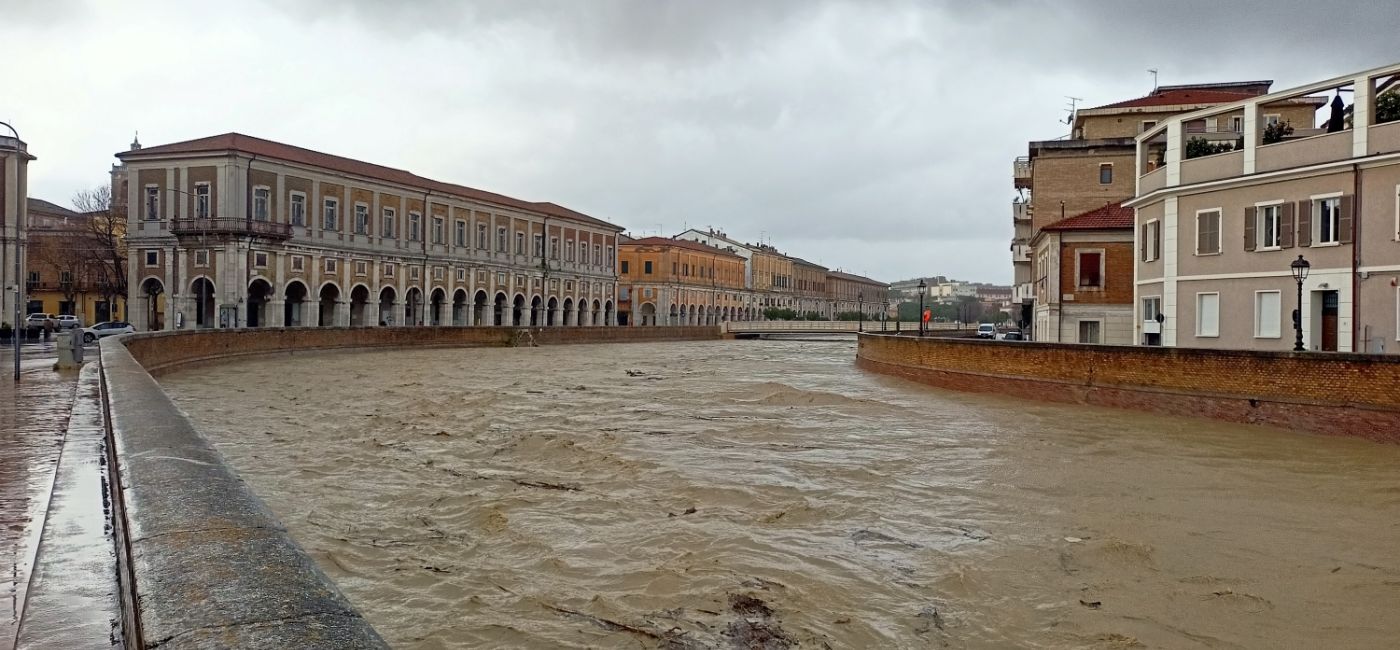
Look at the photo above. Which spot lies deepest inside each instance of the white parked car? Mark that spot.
(68, 322)
(37, 320)
(986, 331)
(109, 328)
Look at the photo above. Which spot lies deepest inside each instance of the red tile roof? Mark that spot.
(1110, 217)
(679, 243)
(1181, 97)
(290, 153)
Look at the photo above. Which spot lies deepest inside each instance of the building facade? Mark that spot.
(809, 288)
(237, 231)
(1094, 167)
(1218, 231)
(69, 269)
(1084, 293)
(847, 292)
(14, 209)
(680, 282)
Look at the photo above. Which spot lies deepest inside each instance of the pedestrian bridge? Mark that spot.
(825, 326)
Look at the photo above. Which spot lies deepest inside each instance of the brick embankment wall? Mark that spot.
(1337, 394)
(160, 352)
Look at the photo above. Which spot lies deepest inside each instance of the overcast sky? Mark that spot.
(873, 136)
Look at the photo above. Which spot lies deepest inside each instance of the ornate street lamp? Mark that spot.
(1300, 268)
(860, 306)
(922, 287)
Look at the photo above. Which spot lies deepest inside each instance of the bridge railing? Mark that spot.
(827, 326)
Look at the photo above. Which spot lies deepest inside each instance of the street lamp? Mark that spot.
(922, 287)
(860, 306)
(884, 312)
(1300, 268)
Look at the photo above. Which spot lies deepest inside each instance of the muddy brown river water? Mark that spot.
(769, 494)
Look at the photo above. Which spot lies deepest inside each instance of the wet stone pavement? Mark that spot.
(33, 418)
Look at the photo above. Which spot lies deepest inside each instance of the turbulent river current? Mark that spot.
(768, 494)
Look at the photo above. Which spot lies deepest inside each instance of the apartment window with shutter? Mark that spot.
(438, 233)
(1208, 232)
(1151, 241)
(332, 215)
(554, 248)
(201, 200)
(1090, 269)
(298, 209)
(460, 234)
(598, 254)
(361, 219)
(1207, 314)
(501, 240)
(415, 226)
(1105, 173)
(262, 197)
(1268, 227)
(519, 242)
(481, 236)
(1326, 217)
(582, 252)
(1267, 314)
(152, 203)
(539, 245)
(390, 217)
(361, 268)
(569, 251)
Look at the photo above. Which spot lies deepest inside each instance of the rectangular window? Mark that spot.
(519, 242)
(414, 272)
(610, 256)
(554, 248)
(1237, 124)
(1150, 308)
(1147, 124)
(624, 267)
(569, 251)
(331, 217)
(361, 268)
(1208, 232)
(1211, 125)
(390, 218)
(1105, 173)
(1268, 314)
(388, 270)
(539, 245)
(1268, 226)
(1271, 119)
(598, 254)
(501, 239)
(152, 259)
(481, 236)
(1089, 331)
(1327, 220)
(1151, 240)
(298, 209)
(298, 263)
(331, 265)
(438, 230)
(1090, 271)
(262, 201)
(461, 275)
(201, 200)
(361, 219)
(259, 260)
(201, 258)
(152, 203)
(1207, 314)
(646, 267)
(460, 234)
(415, 226)
(438, 272)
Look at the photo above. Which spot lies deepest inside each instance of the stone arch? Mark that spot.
(570, 318)
(294, 297)
(437, 301)
(152, 293)
(202, 289)
(259, 292)
(536, 312)
(671, 316)
(647, 314)
(517, 310)
(595, 315)
(413, 306)
(359, 305)
(552, 312)
(608, 312)
(329, 298)
(388, 296)
(481, 308)
(459, 307)
(501, 312)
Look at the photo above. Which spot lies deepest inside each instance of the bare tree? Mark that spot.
(104, 242)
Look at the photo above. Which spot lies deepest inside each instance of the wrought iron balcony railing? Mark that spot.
(231, 226)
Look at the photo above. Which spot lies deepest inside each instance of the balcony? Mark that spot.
(1020, 253)
(1021, 172)
(1021, 210)
(230, 226)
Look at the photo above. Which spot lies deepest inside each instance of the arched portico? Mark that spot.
(459, 307)
(359, 305)
(329, 298)
(608, 316)
(413, 307)
(294, 305)
(502, 310)
(552, 312)
(153, 310)
(387, 300)
(570, 318)
(436, 306)
(259, 292)
(517, 311)
(481, 309)
(203, 291)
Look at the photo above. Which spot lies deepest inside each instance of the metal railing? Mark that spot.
(230, 225)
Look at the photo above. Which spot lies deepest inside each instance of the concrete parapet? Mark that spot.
(1330, 393)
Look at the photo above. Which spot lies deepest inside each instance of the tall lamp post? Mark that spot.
(884, 312)
(1300, 268)
(18, 252)
(922, 288)
(860, 306)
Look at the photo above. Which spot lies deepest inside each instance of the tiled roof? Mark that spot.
(1110, 217)
(1182, 97)
(679, 243)
(280, 151)
(856, 278)
(44, 207)
(802, 261)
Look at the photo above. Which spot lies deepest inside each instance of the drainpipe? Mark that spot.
(423, 220)
(248, 228)
(1355, 255)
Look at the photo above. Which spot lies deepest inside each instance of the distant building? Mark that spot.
(1065, 177)
(1217, 232)
(847, 292)
(66, 272)
(680, 282)
(1084, 290)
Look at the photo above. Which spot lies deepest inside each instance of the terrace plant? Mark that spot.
(1197, 147)
(1277, 131)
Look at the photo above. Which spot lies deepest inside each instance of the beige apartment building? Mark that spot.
(237, 231)
(809, 287)
(1217, 231)
(680, 282)
(1093, 167)
(848, 292)
(1084, 288)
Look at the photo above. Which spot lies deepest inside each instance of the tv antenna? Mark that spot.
(1073, 104)
(1153, 72)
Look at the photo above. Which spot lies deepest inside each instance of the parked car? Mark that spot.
(103, 330)
(1012, 335)
(37, 320)
(986, 331)
(68, 322)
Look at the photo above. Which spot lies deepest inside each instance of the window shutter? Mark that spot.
(1201, 234)
(1305, 223)
(1156, 240)
(1285, 226)
(1142, 242)
(1249, 219)
(1344, 220)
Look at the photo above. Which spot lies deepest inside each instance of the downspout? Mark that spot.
(423, 239)
(248, 228)
(1355, 256)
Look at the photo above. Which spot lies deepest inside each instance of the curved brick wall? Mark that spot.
(1338, 394)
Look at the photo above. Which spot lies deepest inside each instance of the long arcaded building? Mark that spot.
(237, 231)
